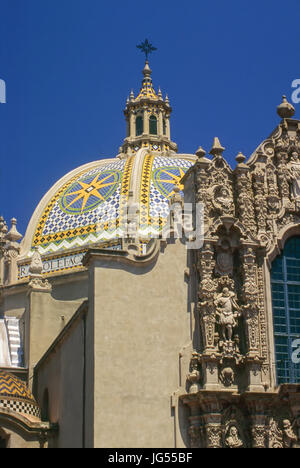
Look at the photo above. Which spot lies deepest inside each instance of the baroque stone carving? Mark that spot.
(194, 375)
(227, 311)
(295, 174)
(224, 258)
(282, 434)
(248, 213)
(227, 376)
(232, 439)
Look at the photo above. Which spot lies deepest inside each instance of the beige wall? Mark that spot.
(47, 318)
(62, 375)
(141, 323)
(138, 321)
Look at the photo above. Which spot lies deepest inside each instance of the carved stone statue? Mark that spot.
(226, 306)
(289, 437)
(233, 440)
(295, 174)
(223, 199)
(227, 376)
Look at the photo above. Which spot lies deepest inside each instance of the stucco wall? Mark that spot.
(62, 375)
(142, 320)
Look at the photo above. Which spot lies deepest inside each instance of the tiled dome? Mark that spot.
(15, 395)
(90, 205)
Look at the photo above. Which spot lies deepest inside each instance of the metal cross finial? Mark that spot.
(146, 48)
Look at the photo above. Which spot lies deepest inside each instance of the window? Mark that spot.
(139, 125)
(153, 125)
(285, 284)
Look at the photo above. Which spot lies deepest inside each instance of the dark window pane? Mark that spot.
(153, 125)
(139, 126)
(285, 285)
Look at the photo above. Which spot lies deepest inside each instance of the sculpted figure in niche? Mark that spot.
(295, 173)
(289, 437)
(227, 310)
(232, 440)
(223, 199)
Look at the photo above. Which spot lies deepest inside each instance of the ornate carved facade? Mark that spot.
(249, 213)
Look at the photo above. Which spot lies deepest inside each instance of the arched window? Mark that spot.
(153, 125)
(139, 125)
(285, 284)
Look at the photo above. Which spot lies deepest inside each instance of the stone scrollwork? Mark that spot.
(259, 434)
(213, 436)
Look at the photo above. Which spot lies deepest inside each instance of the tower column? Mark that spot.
(132, 132)
(3, 232)
(168, 128)
(160, 124)
(146, 122)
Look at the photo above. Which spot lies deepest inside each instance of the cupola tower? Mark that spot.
(148, 119)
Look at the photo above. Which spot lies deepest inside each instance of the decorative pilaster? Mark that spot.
(11, 254)
(3, 233)
(212, 421)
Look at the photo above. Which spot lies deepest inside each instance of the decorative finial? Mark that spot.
(13, 235)
(147, 70)
(159, 94)
(200, 153)
(285, 110)
(131, 96)
(146, 48)
(167, 100)
(217, 148)
(240, 158)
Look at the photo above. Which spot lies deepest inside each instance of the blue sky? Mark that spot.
(70, 64)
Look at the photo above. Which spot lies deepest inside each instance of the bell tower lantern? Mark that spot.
(148, 119)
